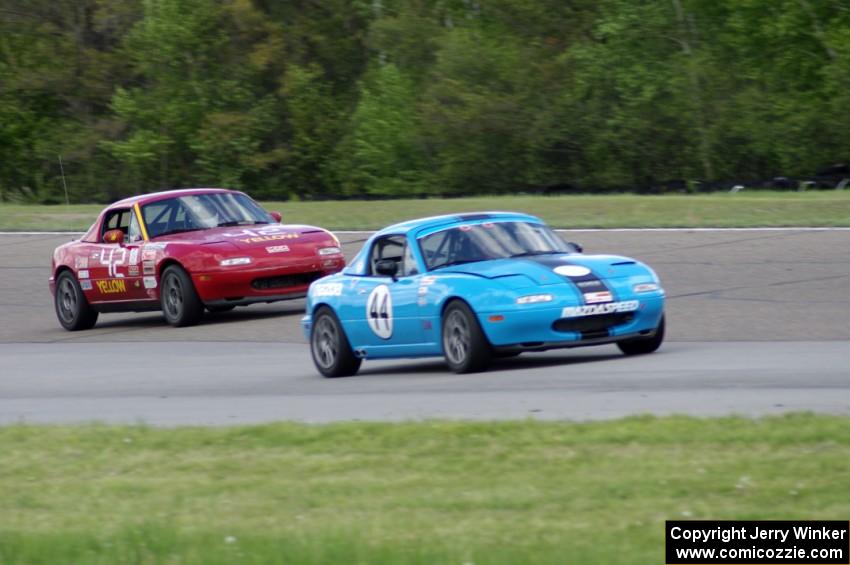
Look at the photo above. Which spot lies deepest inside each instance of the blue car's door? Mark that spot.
(382, 314)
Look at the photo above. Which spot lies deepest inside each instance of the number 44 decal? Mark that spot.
(379, 311)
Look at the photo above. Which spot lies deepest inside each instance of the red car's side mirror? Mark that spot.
(276, 215)
(114, 236)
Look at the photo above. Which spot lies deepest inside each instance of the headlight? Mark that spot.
(534, 298)
(646, 287)
(235, 261)
(329, 251)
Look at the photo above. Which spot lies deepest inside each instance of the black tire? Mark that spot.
(73, 310)
(465, 346)
(644, 345)
(180, 303)
(329, 346)
(221, 308)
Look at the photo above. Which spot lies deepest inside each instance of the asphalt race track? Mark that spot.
(758, 323)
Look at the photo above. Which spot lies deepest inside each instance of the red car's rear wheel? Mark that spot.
(72, 308)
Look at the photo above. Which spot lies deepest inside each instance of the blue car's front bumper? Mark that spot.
(536, 327)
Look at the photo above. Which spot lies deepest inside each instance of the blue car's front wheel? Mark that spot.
(329, 346)
(464, 344)
(644, 345)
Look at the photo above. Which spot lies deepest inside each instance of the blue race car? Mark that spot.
(473, 286)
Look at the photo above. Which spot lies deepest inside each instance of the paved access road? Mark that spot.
(759, 322)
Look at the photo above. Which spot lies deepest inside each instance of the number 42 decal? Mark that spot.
(379, 311)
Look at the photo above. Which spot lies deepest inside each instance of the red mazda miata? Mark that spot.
(182, 251)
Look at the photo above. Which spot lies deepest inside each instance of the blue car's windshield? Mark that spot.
(202, 211)
(492, 240)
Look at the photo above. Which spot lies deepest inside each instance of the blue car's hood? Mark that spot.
(540, 269)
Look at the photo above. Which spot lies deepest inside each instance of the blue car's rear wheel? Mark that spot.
(329, 346)
(643, 345)
(464, 344)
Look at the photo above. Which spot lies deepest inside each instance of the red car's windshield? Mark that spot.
(202, 211)
(492, 240)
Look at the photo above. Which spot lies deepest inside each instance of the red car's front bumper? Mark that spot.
(236, 286)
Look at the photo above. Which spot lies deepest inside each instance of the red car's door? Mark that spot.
(114, 269)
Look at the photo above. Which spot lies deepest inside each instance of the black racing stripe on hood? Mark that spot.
(584, 283)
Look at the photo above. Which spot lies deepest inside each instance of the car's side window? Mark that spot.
(116, 219)
(134, 233)
(409, 267)
(393, 247)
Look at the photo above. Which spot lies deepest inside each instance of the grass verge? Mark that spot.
(432, 492)
(754, 209)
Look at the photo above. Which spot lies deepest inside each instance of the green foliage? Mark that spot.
(397, 98)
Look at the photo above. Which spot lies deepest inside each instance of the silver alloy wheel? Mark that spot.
(67, 300)
(173, 292)
(325, 342)
(456, 337)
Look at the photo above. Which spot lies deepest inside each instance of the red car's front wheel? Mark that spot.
(180, 303)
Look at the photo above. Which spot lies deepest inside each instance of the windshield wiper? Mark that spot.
(530, 253)
(459, 262)
(178, 230)
(231, 223)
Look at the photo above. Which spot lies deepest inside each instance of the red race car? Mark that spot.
(185, 250)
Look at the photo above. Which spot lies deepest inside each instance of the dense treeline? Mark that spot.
(355, 98)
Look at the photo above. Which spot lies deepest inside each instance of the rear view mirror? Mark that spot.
(387, 268)
(114, 236)
(276, 215)
(575, 246)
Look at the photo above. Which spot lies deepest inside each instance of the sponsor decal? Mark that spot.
(327, 289)
(262, 238)
(329, 263)
(426, 325)
(148, 254)
(81, 263)
(465, 227)
(595, 309)
(597, 297)
(148, 268)
(423, 290)
(572, 270)
(83, 274)
(150, 282)
(428, 280)
(111, 286)
(137, 284)
(588, 284)
(379, 311)
(277, 249)
(271, 233)
(85, 284)
(422, 301)
(133, 270)
(134, 256)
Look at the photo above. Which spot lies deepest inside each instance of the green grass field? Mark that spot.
(432, 492)
(745, 209)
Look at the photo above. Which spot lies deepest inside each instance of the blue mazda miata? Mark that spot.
(471, 287)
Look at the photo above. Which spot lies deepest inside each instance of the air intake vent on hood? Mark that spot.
(622, 263)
